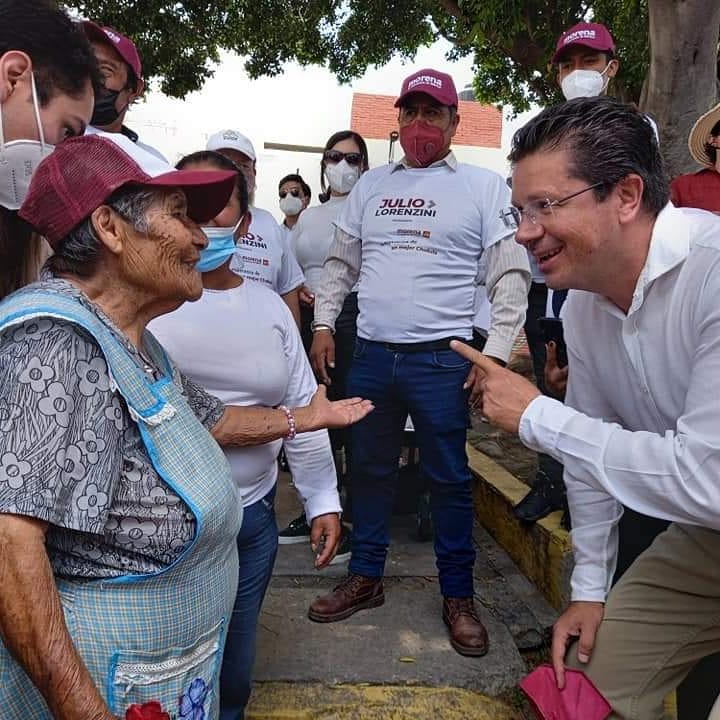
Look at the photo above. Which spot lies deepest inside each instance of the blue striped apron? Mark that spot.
(158, 636)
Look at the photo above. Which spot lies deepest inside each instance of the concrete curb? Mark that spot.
(294, 701)
(543, 550)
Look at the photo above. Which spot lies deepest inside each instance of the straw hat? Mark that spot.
(700, 134)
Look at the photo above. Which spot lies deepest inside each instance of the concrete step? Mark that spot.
(542, 551)
(394, 661)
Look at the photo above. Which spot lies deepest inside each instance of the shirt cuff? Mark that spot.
(497, 347)
(322, 503)
(588, 584)
(541, 423)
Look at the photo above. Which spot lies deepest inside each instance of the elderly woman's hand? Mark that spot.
(338, 414)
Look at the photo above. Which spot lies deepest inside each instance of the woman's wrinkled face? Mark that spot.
(162, 260)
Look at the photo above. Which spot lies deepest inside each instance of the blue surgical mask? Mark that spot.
(220, 247)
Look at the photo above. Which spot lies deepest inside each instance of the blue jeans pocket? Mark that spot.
(449, 360)
(183, 680)
(360, 348)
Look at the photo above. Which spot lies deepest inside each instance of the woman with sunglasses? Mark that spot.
(294, 194)
(345, 158)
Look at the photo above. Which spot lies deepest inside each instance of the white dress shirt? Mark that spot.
(641, 426)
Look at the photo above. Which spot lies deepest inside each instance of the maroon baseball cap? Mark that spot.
(591, 35)
(437, 85)
(124, 46)
(82, 172)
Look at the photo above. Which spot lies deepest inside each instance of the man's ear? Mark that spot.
(109, 229)
(15, 67)
(137, 92)
(613, 67)
(630, 193)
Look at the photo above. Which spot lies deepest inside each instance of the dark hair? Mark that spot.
(63, 62)
(294, 177)
(605, 140)
(710, 150)
(221, 163)
(333, 140)
(62, 57)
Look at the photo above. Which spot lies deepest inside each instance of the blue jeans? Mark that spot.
(429, 387)
(257, 547)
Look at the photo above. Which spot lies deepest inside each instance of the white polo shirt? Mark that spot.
(423, 231)
(264, 255)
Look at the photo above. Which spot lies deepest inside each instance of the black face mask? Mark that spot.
(104, 111)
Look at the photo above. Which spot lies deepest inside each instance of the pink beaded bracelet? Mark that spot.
(292, 432)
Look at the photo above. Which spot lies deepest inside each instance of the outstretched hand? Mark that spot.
(504, 394)
(337, 414)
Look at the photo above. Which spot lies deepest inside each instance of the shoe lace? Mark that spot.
(462, 606)
(351, 584)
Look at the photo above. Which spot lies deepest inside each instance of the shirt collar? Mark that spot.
(669, 246)
(450, 160)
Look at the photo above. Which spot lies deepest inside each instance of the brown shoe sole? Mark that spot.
(466, 650)
(371, 603)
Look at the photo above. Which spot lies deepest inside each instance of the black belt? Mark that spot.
(431, 346)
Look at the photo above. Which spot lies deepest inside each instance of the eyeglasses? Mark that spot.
(295, 192)
(335, 156)
(514, 216)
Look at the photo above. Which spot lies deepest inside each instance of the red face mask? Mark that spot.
(421, 142)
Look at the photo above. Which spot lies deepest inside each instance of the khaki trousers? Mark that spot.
(660, 619)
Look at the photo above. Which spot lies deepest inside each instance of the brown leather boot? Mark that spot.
(355, 592)
(467, 634)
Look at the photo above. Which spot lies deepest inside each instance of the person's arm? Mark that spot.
(341, 271)
(507, 283)
(242, 426)
(309, 455)
(292, 300)
(33, 627)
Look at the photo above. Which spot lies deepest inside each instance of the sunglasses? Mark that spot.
(335, 156)
(293, 191)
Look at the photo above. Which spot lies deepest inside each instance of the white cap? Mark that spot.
(231, 140)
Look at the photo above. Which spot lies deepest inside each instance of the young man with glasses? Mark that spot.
(294, 196)
(264, 253)
(413, 233)
(639, 427)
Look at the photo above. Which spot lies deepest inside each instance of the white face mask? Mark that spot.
(342, 177)
(584, 83)
(291, 205)
(19, 160)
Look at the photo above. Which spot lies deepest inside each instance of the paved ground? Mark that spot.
(404, 642)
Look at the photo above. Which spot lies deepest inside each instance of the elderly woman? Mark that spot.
(118, 514)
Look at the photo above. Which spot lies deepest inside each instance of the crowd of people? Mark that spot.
(163, 341)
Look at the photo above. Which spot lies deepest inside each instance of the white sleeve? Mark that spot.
(673, 476)
(309, 454)
(291, 275)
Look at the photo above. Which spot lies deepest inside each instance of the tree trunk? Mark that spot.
(682, 79)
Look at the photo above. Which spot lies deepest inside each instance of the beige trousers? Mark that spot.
(660, 619)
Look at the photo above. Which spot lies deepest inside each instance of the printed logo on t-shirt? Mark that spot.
(252, 240)
(413, 207)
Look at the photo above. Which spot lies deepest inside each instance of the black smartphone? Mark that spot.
(552, 329)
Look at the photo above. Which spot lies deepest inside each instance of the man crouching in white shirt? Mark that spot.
(640, 427)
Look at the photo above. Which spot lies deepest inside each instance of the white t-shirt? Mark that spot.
(243, 346)
(423, 231)
(264, 254)
(312, 236)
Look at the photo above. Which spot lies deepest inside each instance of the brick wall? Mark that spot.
(373, 116)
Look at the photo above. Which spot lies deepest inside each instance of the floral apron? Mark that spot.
(158, 636)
